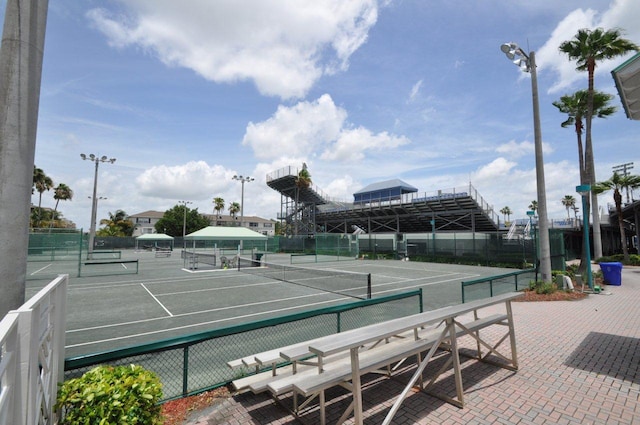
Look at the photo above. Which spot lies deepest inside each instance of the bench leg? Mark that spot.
(414, 378)
(457, 374)
(357, 386)
(512, 336)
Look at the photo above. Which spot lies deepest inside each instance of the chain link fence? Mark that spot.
(196, 363)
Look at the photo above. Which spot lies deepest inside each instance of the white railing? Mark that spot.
(10, 381)
(32, 356)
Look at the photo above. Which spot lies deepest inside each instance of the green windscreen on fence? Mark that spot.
(196, 363)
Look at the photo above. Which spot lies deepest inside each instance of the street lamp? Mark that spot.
(184, 223)
(94, 205)
(242, 180)
(584, 190)
(527, 63)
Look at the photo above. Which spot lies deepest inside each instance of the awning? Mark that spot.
(627, 79)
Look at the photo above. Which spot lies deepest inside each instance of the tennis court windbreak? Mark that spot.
(351, 284)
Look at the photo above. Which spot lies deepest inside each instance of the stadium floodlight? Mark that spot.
(527, 63)
(243, 180)
(184, 223)
(94, 204)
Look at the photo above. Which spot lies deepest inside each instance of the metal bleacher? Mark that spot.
(460, 209)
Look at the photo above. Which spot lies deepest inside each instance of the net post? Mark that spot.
(369, 286)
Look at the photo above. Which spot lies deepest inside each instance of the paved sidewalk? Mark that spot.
(579, 364)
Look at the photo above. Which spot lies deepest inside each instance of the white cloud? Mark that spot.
(513, 149)
(284, 47)
(315, 129)
(622, 14)
(415, 90)
(296, 131)
(353, 143)
(194, 180)
(496, 169)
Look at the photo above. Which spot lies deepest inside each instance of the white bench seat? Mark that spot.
(369, 360)
(337, 369)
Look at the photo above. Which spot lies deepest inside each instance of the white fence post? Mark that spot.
(12, 405)
(42, 326)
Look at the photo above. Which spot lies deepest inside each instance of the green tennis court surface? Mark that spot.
(118, 308)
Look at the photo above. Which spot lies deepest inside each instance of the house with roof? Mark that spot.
(144, 222)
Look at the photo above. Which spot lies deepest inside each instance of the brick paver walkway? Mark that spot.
(579, 364)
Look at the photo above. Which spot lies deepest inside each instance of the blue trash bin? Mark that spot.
(612, 273)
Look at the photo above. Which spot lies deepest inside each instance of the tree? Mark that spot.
(617, 183)
(172, 221)
(303, 181)
(116, 225)
(41, 183)
(533, 206)
(587, 48)
(218, 205)
(61, 193)
(575, 106)
(569, 202)
(506, 212)
(234, 209)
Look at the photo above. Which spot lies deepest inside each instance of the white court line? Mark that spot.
(42, 268)
(156, 299)
(202, 323)
(221, 287)
(156, 281)
(201, 312)
(407, 287)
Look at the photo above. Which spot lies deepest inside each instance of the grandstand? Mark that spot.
(392, 206)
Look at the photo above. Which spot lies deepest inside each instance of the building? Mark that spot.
(144, 222)
(257, 224)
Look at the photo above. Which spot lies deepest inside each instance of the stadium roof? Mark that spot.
(388, 184)
(627, 79)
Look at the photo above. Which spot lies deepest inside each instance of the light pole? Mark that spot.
(584, 190)
(94, 204)
(242, 180)
(184, 223)
(527, 63)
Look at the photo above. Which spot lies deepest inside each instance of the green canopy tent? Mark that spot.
(159, 240)
(219, 234)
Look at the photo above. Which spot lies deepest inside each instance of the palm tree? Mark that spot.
(219, 205)
(506, 212)
(41, 182)
(587, 48)
(533, 206)
(234, 209)
(116, 225)
(616, 183)
(569, 202)
(61, 193)
(303, 181)
(575, 106)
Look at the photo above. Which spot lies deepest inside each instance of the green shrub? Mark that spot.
(543, 287)
(108, 395)
(634, 259)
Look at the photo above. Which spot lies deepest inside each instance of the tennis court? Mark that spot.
(117, 308)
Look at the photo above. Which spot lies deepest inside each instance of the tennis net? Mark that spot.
(351, 284)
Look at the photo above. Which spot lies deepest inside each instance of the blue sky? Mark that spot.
(187, 94)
